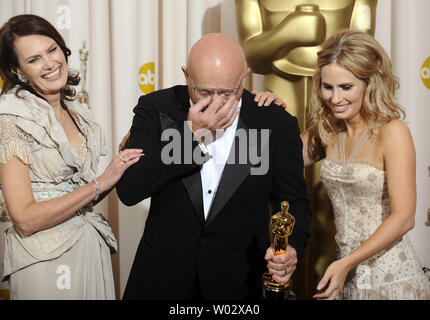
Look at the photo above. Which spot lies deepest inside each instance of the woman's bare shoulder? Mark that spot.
(395, 135)
(392, 130)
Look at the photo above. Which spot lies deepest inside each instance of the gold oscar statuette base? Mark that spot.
(274, 291)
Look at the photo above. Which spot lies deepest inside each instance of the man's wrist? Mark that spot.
(196, 135)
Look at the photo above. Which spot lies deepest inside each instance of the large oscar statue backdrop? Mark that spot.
(281, 39)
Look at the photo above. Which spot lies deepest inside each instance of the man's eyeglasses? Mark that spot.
(223, 92)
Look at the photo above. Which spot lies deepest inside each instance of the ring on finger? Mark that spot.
(122, 158)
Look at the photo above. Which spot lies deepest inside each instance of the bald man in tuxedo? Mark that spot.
(207, 233)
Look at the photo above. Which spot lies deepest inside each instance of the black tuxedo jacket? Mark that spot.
(227, 249)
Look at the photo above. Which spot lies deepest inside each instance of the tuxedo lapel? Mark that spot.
(193, 185)
(238, 166)
(233, 175)
(193, 182)
(243, 157)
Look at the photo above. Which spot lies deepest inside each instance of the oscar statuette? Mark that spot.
(281, 226)
(82, 95)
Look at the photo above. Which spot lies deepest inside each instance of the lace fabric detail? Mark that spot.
(13, 141)
(410, 289)
(356, 161)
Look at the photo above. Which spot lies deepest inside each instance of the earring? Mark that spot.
(22, 79)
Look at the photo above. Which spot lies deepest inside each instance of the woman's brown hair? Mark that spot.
(24, 25)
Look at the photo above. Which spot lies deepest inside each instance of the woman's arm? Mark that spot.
(313, 151)
(29, 216)
(400, 162)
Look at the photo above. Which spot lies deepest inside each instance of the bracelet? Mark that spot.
(97, 190)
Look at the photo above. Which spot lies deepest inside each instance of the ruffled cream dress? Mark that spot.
(73, 259)
(359, 195)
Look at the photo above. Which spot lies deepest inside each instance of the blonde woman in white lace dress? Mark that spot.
(368, 171)
(57, 248)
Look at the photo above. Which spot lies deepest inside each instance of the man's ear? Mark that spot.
(246, 74)
(248, 70)
(185, 71)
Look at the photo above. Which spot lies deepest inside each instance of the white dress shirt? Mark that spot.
(211, 172)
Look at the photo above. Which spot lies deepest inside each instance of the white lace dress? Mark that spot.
(71, 260)
(359, 195)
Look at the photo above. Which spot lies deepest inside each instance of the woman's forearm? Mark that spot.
(392, 229)
(43, 215)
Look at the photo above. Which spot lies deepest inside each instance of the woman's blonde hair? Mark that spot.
(363, 56)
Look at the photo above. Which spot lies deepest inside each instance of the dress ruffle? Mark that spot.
(35, 117)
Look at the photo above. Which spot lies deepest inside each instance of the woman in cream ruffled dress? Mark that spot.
(57, 248)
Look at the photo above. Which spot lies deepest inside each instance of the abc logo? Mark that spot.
(425, 73)
(147, 78)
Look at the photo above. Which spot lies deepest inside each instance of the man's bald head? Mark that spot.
(216, 61)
